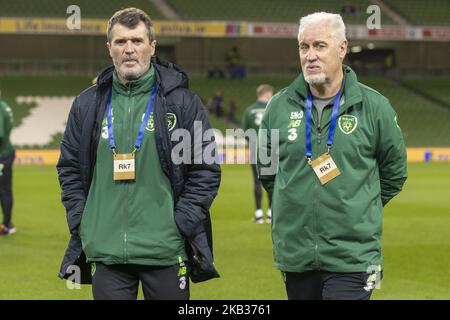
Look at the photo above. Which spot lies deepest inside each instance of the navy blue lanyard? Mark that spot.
(138, 143)
(309, 101)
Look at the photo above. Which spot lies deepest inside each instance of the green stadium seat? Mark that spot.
(89, 9)
(419, 12)
(268, 10)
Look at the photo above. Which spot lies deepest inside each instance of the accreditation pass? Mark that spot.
(325, 168)
(124, 166)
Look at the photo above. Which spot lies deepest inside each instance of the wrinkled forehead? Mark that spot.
(319, 31)
(119, 31)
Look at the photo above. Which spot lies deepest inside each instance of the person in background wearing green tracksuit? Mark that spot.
(252, 120)
(7, 156)
(340, 159)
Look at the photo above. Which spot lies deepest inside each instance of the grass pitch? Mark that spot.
(416, 240)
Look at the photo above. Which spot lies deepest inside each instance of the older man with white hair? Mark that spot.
(341, 159)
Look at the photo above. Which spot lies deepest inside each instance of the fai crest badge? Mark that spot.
(171, 121)
(150, 123)
(348, 123)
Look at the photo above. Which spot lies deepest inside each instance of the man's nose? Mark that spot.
(129, 48)
(311, 55)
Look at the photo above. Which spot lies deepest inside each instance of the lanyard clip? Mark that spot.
(113, 150)
(309, 160)
(135, 149)
(328, 149)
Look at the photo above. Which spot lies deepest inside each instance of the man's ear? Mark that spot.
(153, 47)
(108, 45)
(343, 49)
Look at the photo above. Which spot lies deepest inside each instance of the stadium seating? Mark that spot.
(46, 119)
(438, 88)
(268, 10)
(21, 93)
(419, 12)
(58, 8)
(423, 122)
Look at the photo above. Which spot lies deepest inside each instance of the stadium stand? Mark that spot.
(45, 120)
(353, 12)
(434, 88)
(423, 120)
(20, 91)
(418, 12)
(58, 8)
(424, 123)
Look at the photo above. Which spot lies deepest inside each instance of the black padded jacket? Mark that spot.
(194, 184)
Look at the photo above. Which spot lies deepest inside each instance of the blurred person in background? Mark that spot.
(341, 159)
(217, 103)
(231, 115)
(134, 215)
(252, 120)
(7, 155)
(235, 68)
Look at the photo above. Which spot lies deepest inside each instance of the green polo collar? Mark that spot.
(142, 85)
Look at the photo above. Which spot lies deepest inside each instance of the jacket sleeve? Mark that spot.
(202, 177)
(267, 164)
(244, 121)
(68, 167)
(2, 119)
(391, 153)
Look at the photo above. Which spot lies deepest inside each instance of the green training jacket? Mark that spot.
(334, 227)
(253, 116)
(6, 123)
(131, 221)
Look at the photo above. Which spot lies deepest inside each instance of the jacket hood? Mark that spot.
(169, 76)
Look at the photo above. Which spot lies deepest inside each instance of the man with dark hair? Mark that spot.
(133, 214)
(130, 18)
(7, 155)
(252, 120)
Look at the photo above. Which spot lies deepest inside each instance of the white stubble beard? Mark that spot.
(316, 79)
(131, 76)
